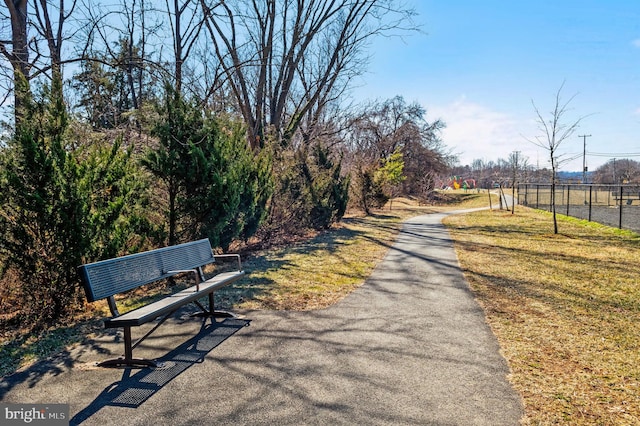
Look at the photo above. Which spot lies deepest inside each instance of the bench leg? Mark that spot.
(211, 312)
(128, 349)
(128, 360)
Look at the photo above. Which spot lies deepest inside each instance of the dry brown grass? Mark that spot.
(565, 308)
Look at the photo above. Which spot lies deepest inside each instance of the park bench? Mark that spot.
(627, 194)
(107, 278)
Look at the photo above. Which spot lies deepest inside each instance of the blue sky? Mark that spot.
(479, 65)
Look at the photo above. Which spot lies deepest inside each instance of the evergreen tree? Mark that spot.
(371, 190)
(311, 191)
(328, 190)
(180, 127)
(42, 213)
(390, 175)
(61, 206)
(117, 204)
(215, 185)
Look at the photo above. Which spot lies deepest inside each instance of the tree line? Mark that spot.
(143, 124)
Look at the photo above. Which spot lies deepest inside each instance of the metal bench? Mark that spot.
(107, 278)
(626, 193)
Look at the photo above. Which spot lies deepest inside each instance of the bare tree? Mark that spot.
(126, 38)
(154, 42)
(382, 129)
(516, 163)
(282, 58)
(50, 25)
(555, 130)
(186, 23)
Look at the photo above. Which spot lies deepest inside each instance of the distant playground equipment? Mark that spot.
(457, 182)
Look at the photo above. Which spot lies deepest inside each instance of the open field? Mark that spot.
(565, 309)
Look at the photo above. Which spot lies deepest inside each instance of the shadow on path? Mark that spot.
(133, 390)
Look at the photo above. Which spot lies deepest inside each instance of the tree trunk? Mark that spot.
(173, 215)
(18, 56)
(54, 42)
(177, 46)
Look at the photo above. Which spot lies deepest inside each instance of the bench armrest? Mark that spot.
(222, 256)
(195, 271)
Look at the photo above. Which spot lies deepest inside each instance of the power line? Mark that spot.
(614, 154)
(604, 154)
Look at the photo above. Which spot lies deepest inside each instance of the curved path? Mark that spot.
(410, 347)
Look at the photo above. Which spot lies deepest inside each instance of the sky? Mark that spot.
(481, 66)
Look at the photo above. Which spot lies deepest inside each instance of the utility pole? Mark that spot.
(584, 158)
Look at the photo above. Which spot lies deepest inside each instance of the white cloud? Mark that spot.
(475, 131)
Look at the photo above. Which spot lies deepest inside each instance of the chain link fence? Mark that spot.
(612, 205)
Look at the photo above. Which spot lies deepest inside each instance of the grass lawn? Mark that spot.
(565, 309)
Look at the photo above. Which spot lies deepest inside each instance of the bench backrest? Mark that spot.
(109, 277)
(626, 190)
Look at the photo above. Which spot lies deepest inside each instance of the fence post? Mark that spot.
(590, 194)
(620, 220)
(568, 198)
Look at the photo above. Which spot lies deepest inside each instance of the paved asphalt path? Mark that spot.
(409, 347)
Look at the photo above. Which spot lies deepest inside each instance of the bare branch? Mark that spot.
(285, 59)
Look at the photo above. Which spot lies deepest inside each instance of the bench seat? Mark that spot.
(172, 302)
